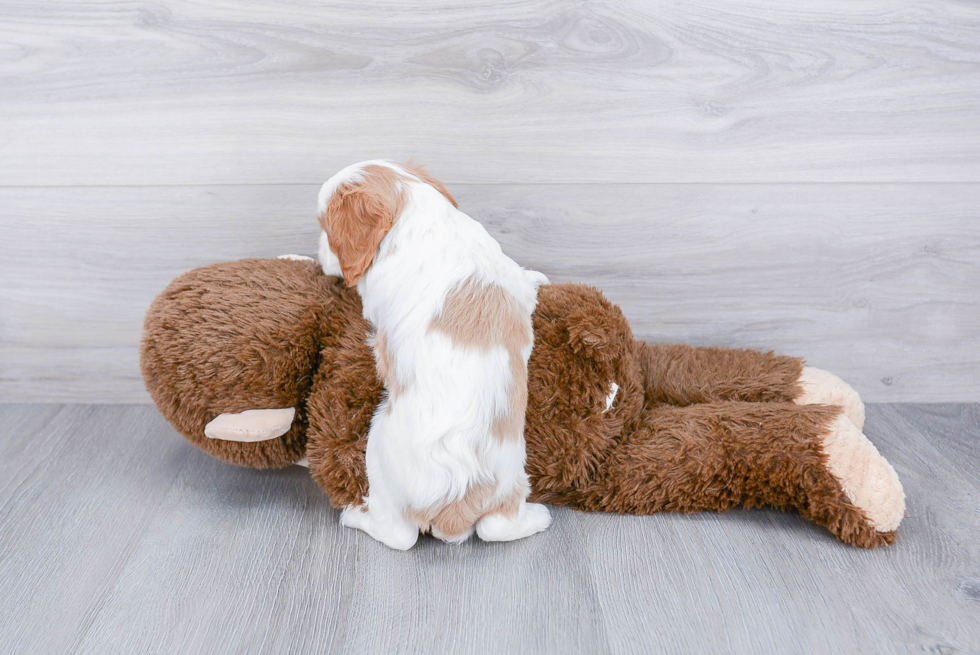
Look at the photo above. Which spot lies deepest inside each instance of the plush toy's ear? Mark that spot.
(358, 216)
(251, 425)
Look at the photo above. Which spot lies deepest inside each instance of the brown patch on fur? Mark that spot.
(386, 366)
(485, 316)
(509, 426)
(419, 171)
(453, 519)
(508, 505)
(359, 214)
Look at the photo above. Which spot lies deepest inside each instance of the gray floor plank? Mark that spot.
(181, 92)
(534, 596)
(874, 282)
(242, 560)
(79, 485)
(116, 536)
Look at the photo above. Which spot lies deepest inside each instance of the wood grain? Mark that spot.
(78, 487)
(287, 91)
(874, 282)
(117, 536)
(259, 559)
(798, 178)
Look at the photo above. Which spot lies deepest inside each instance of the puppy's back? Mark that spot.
(487, 316)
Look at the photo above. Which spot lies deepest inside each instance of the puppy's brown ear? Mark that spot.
(419, 171)
(359, 215)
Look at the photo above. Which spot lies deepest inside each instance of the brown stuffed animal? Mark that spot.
(265, 363)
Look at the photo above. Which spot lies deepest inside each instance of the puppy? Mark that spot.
(452, 336)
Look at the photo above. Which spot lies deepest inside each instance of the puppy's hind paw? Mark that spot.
(392, 532)
(530, 519)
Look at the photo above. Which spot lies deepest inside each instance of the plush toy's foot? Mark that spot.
(251, 425)
(392, 530)
(869, 482)
(530, 519)
(824, 388)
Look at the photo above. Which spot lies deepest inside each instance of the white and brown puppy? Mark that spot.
(452, 320)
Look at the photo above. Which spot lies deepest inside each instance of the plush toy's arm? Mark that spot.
(685, 375)
(679, 374)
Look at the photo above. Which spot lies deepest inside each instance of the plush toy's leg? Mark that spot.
(722, 455)
(529, 519)
(868, 481)
(823, 387)
(684, 375)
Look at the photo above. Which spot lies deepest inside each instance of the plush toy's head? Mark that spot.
(233, 337)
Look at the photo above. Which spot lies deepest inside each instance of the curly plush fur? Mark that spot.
(613, 424)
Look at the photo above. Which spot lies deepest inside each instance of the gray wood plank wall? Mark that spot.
(803, 177)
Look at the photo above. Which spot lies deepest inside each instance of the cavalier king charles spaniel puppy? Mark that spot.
(451, 319)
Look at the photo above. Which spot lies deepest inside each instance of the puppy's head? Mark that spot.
(358, 206)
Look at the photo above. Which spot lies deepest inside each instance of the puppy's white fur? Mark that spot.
(431, 443)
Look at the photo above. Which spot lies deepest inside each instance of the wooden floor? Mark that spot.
(116, 536)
